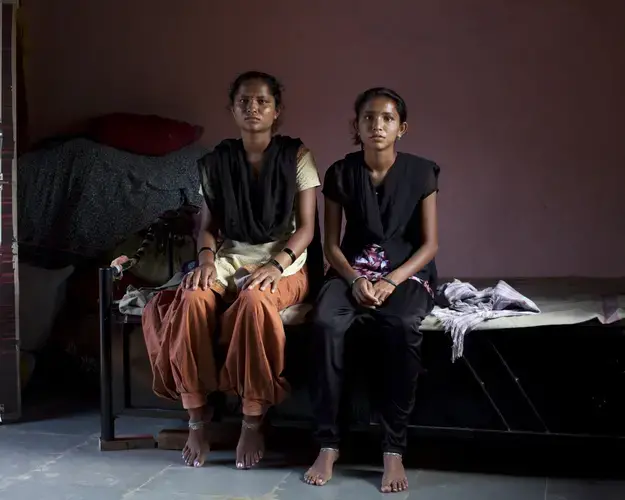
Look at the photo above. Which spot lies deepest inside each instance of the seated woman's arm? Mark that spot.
(206, 247)
(269, 275)
(429, 247)
(303, 235)
(332, 242)
(362, 289)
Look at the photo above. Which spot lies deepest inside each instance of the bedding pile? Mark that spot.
(82, 197)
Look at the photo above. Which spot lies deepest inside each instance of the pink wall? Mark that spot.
(521, 102)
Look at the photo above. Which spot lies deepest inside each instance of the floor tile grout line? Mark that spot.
(277, 488)
(9, 481)
(129, 493)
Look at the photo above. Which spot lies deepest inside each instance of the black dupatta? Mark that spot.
(248, 208)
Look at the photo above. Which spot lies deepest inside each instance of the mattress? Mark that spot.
(562, 301)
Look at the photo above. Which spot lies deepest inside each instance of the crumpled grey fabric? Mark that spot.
(468, 307)
(135, 299)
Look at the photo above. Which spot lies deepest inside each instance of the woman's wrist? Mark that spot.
(341, 266)
(206, 259)
(283, 259)
(351, 276)
(290, 253)
(356, 280)
(277, 265)
(206, 255)
(390, 281)
(395, 278)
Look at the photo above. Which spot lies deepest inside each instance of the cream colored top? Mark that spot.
(233, 255)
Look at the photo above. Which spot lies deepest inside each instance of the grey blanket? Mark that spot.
(83, 198)
(468, 307)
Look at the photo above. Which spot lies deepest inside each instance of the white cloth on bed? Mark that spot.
(468, 307)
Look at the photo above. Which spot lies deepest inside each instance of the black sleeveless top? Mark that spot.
(389, 215)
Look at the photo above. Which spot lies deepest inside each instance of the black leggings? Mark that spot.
(396, 325)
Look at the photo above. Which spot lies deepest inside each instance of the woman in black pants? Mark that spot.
(383, 272)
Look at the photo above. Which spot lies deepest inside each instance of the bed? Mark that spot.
(560, 373)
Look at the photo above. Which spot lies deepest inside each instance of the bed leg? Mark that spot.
(108, 440)
(107, 419)
(125, 331)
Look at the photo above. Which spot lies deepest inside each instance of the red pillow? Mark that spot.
(147, 135)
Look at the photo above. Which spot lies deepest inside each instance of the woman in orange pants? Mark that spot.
(259, 202)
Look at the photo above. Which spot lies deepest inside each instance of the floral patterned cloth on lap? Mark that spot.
(374, 264)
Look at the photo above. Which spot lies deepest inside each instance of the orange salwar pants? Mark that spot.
(180, 326)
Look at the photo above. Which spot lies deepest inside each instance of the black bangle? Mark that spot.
(206, 249)
(277, 265)
(389, 281)
(361, 277)
(290, 253)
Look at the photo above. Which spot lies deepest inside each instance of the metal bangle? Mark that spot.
(206, 249)
(277, 265)
(361, 277)
(290, 253)
(392, 454)
(389, 281)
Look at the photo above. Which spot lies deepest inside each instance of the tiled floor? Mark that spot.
(59, 459)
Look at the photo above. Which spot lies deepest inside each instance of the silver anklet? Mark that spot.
(252, 427)
(329, 449)
(392, 454)
(196, 426)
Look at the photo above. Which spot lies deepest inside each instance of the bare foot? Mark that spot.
(321, 471)
(394, 478)
(197, 446)
(251, 446)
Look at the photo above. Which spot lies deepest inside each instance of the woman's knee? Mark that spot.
(399, 324)
(198, 297)
(197, 312)
(328, 323)
(251, 308)
(251, 298)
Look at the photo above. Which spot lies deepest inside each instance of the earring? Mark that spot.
(399, 137)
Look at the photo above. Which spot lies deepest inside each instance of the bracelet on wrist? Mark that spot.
(389, 281)
(356, 279)
(290, 253)
(206, 249)
(277, 265)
